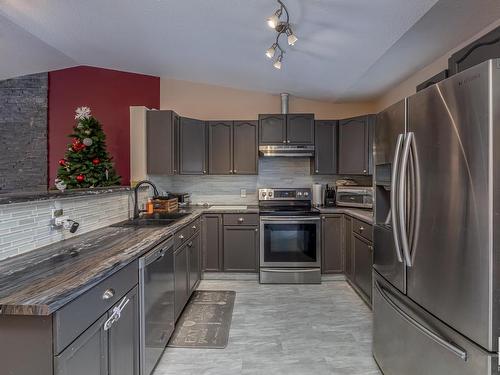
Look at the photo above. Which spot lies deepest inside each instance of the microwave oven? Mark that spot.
(355, 196)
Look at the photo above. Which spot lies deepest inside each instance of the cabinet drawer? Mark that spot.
(74, 318)
(187, 232)
(241, 219)
(195, 226)
(363, 229)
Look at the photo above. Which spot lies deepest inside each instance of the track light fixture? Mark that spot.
(281, 27)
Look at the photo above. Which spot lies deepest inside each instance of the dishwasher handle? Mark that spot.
(156, 253)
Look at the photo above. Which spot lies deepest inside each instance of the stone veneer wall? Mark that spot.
(273, 172)
(26, 226)
(23, 133)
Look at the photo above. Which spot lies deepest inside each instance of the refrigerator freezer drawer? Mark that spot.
(407, 340)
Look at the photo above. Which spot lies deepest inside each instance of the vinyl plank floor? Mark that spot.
(285, 329)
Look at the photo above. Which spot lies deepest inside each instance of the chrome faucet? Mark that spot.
(137, 211)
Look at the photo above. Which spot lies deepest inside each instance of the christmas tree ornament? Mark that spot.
(60, 185)
(80, 178)
(79, 126)
(87, 142)
(62, 162)
(82, 113)
(96, 161)
(88, 132)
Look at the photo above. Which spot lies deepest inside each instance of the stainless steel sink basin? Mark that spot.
(156, 219)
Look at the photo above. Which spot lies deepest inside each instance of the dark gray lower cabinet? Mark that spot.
(348, 253)
(88, 354)
(241, 246)
(194, 258)
(124, 338)
(212, 235)
(181, 279)
(331, 244)
(363, 258)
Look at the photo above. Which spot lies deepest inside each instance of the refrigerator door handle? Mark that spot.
(401, 199)
(456, 350)
(394, 184)
(416, 202)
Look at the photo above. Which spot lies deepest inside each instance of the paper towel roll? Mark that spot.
(317, 198)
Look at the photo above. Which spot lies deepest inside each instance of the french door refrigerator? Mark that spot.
(436, 299)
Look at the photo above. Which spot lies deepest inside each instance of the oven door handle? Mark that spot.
(289, 218)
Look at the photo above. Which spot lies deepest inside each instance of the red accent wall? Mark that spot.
(109, 94)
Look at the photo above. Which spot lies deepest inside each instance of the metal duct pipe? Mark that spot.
(284, 103)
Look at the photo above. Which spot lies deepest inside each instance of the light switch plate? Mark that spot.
(243, 193)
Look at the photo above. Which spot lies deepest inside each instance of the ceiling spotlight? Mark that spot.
(291, 37)
(274, 20)
(271, 51)
(277, 63)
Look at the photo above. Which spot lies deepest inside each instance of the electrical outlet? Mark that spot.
(243, 193)
(56, 213)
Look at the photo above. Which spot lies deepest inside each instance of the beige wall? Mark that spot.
(408, 87)
(210, 102)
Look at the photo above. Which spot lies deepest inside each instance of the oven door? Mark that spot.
(290, 241)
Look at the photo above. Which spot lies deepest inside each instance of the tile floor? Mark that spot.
(285, 329)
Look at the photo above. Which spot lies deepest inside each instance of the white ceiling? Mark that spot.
(347, 49)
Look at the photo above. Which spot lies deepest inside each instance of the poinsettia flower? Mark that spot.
(82, 113)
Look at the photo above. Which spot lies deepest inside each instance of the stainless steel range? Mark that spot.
(289, 237)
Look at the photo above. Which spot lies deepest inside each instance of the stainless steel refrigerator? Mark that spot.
(436, 299)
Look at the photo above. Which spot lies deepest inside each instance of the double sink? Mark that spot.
(156, 219)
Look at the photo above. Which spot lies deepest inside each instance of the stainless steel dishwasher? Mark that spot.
(156, 294)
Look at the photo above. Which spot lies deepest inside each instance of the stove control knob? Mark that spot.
(270, 194)
(306, 194)
(264, 194)
(299, 194)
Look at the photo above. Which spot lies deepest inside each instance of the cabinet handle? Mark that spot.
(204, 172)
(190, 244)
(193, 227)
(116, 314)
(181, 237)
(361, 229)
(108, 294)
(234, 170)
(317, 171)
(256, 229)
(288, 141)
(241, 220)
(230, 171)
(364, 170)
(284, 141)
(324, 218)
(370, 247)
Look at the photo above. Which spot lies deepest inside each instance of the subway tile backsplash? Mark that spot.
(273, 172)
(26, 226)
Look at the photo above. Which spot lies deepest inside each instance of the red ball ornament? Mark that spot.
(80, 178)
(96, 161)
(62, 162)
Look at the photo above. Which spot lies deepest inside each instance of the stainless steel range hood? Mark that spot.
(287, 150)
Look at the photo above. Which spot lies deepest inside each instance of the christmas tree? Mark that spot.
(86, 162)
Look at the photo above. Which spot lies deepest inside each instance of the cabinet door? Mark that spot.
(363, 263)
(326, 141)
(124, 338)
(212, 242)
(331, 244)
(353, 146)
(161, 142)
(272, 129)
(192, 146)
(241, 248)
(194, 262)
(300, 129)
(181, 279)
(349, 259)
(245, 147)
(220, 147)
(88, 354)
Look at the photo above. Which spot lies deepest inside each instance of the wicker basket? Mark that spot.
(165, 205)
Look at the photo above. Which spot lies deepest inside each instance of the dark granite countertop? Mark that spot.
(44, 280)
(358, 213)
(21, 197)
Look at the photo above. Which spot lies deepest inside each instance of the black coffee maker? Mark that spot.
(329, 196)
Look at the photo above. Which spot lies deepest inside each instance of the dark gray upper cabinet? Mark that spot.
(485, 48)
(326, 141)
(331, 244)
(212, 242)
(162, 145)
(88, 354)
(272, 129)
(355, 145)
(297, 128)
(192, 146)
(220, 147)
(300, 128)
(124, 338)
(245, 147)
(241, 244)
